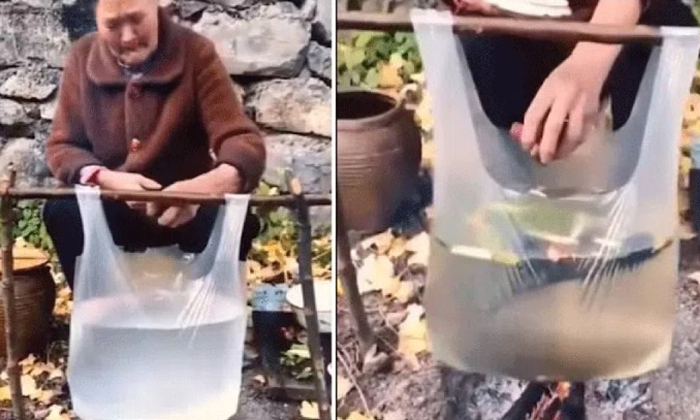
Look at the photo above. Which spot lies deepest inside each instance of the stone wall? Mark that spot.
(277, 52)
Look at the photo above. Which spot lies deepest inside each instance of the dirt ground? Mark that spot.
(255, 405)
(394, 391)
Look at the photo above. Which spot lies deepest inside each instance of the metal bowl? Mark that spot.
(325, 297)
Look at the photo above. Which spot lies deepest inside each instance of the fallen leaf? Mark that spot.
(389, 285)
(405, 292)
(27, 363)
(398, 247)
(390, 76)
(56, 413)
(691, 112)
(309, 410)
(375, 269)
(29, 388)
(419, 245)
(343, 386)
(5, 393)
(38, 369)
(413, 332)
(380, 242)
(45, 396)
(356, 415)
(56, 373)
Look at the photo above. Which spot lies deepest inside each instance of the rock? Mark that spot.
(323, 24)
(231, 3)
(293, 105)
(39, 4)
(33, 83)
(308, 158)
(307, 9)
(26, 160)
(48, 110)
(12, 113)
(29, 34)
(188, 8)
(266, 40)
(79, 17)
(319, 61)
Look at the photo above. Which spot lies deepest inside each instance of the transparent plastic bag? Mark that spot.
(564, 271)
(159, 334)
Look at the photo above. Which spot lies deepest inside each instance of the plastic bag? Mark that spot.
(559, 272)
(159, 334)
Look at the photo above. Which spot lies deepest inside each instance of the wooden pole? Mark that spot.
(531, 28)
(348, 278)
(8, 294)
(309, 295)
(170, 197)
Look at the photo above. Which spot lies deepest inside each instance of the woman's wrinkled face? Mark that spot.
(129, 28)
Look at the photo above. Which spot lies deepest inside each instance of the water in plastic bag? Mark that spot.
(564, 271)
(157, 335)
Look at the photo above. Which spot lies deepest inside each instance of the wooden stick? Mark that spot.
(309, 295)
(160, 196)
(348, 278)
(8, 295)
(530, 28)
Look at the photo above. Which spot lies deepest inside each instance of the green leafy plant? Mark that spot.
(362, 54)
(29, 226)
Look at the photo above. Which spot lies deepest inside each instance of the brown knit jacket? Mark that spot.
(163, 125)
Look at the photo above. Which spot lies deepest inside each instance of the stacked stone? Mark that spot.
(277, 52)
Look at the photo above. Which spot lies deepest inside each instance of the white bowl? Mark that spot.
(325, 298)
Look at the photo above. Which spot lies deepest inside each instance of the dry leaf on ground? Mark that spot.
(356, 415)
(56, 413)
(309, 410)
(419, 245)
(376, 270)
(5, 393)
(413, 332)
(29, 388)
(343, 386)
(405, 292)
(381, 242)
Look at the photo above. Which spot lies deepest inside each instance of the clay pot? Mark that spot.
(378, 158)
(35, 296)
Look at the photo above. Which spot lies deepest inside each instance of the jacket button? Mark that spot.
(135, 145)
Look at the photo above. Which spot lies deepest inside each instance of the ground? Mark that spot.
(390, 385)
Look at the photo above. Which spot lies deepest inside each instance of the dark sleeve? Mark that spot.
(233, 136)
(67, 148)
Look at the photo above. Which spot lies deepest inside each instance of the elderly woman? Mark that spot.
(146, 104)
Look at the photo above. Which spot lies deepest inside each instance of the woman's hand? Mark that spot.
(564, 111)
(224, 179)
(114, 180)
(567, 106)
